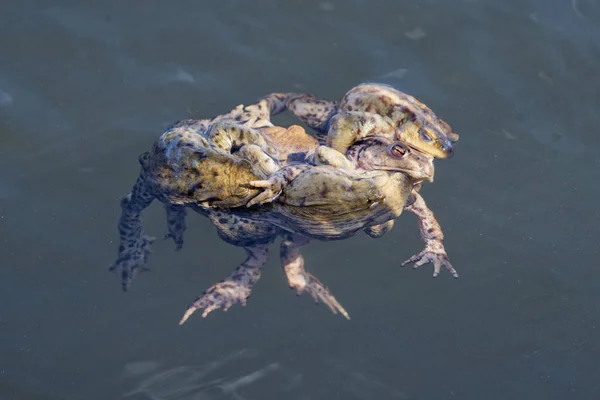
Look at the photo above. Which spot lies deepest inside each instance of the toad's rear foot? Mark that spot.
(435, 253)
(236, 288)
(133, 257)
(307, 283)
(297, 277)
(220, 296)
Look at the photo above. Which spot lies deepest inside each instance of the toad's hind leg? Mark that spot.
(236, 288)
(275, 102)
(293, 266)
(175, 223)
(314, 113)
(228, 135)
(134, 246)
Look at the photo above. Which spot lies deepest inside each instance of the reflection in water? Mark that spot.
(361, 385)
(231, 387)
(234, 377)
(86, 86)
(189, 382)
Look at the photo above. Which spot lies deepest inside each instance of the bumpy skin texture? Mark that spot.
(326, 196)
(377, 110)
(292, 263)
(367, 110)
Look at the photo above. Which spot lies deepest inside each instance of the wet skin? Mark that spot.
(295, 189)
(371, 109)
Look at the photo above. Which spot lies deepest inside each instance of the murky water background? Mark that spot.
(85, 88)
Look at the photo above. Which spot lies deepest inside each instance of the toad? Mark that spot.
(218, 167)
(370, 109)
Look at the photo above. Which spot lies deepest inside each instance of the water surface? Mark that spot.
(85, 87)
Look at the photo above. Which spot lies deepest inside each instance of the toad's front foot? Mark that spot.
(306, 283)
(272, 188)
(220, 296)
(435, 253)
(132, 259)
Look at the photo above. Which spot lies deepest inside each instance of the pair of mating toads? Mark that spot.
(256, 181)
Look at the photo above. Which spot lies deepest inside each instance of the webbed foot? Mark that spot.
(298, 278)
(307, 283)
(435, 253)
(236, 288)
(132, 259)
(220, 296)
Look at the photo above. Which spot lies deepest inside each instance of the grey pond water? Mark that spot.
(85, 87)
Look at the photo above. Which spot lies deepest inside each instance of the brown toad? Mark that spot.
(374, 109)
(367, 110)
(190, 166)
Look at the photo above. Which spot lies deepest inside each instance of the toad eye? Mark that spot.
(423, 134)
(398, 151)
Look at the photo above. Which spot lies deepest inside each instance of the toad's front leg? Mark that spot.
(236, 288)
(274, 186)
(300, 280)
(134, 246)
(431, 232)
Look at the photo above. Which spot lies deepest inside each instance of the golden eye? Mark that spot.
(398, 151)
